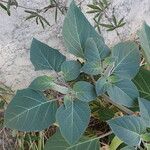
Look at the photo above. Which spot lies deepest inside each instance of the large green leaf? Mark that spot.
(71, 70)
(92, 67)
(123, 92)
(142, 81)
(84, 91)
(73, 118)
(144, 36)
(29, 110)
(145, 110)
(57, 142)
(128, 129)
(76, 31)
(127, 60)
(44, 57)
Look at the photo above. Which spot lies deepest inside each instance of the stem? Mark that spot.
(40, 140)
(124, 109)
(106, 98)
(106, 134)
(59, 88)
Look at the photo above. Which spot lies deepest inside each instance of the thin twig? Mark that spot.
(124, 109)
(106, 134)
(24, 7)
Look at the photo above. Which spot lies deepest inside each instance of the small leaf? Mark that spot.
(71, 70)
(107, 25)
(44, 57)
(145, 111)
(93, 6)
(42, 83)
(101, 86)
(73, 118)
(146, 137)
(114, 20)
(144, 36)
(127, 59)
(84, 91)
(115, 143)
(57, 142)
(128, 129)
(29, 110)
(123, 92)
(92, 67)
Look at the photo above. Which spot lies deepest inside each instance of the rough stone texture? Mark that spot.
(16, 34)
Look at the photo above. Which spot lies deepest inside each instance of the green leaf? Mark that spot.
(29, 110)
(44, 57)
(123, 92)
(84, 91)
(92, 68)
(115, 143)
(142, 81)
(128, 148)
(73, 118)
(144, 36)
(42, 83)
(146, 137)
(91, 52)
(57, 142)
(127, 59)
(71, 70)
(128, 129)
(76, 31)
(144, 110)
(101, 85)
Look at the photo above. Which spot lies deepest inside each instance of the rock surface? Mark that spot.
(16, 34)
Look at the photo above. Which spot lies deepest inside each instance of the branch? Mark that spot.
(124, 109)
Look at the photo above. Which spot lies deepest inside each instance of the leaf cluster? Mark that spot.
(112, 73)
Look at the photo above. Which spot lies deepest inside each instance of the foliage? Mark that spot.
(36, 14)
(99, 9)
(98, 73)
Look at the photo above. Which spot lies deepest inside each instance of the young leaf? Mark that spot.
(128, 129)
(115, 143)
(42, 83)
(101, 86)
(84, 91)
(145, 111)
(29, 110)
(142, 81)
(127, 59)
(44, 57)
(144, 36)
(92, 67)
(57, 142)
(73, 118)
(123, 92)
(70, 69)
(76, 31)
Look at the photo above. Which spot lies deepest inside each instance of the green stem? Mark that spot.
(59, 88)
